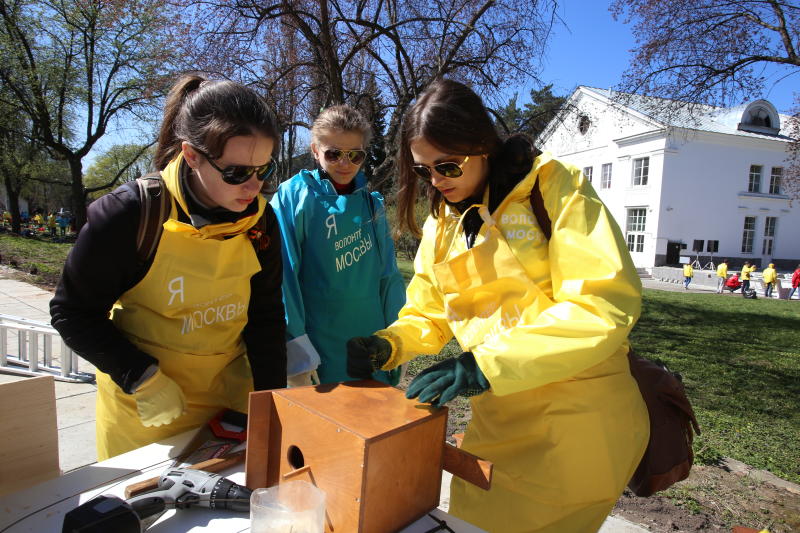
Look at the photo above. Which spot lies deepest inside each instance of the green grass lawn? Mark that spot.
(406, 268)
(740, 361)
(38, 255)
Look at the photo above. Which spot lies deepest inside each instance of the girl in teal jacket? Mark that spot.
(340, 276)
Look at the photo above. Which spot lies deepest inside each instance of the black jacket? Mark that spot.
(103, 265)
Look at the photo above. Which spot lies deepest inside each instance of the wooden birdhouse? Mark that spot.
(377, 455)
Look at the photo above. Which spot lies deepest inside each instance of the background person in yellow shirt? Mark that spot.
(688, 272)
(769, 280)
(722, 275)
(747, 269)
(51, 224)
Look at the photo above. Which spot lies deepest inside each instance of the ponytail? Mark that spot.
(509, 166)
(206, 113)
(168, 143)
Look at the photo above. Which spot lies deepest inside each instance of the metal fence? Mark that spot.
(26, 348)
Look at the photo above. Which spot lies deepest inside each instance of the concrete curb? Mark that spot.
(738, 467)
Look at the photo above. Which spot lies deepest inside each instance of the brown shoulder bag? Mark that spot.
(668, 457)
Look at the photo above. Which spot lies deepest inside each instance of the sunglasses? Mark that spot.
(333, 155)
(238, 174)
(448, 169)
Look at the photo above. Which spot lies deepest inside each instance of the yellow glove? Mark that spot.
(159, 400)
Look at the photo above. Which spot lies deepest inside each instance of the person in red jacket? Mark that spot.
(733, 283)
(795, 281)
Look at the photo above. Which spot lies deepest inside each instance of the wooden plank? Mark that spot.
(468, 467)
(259, 417)
(29, 447)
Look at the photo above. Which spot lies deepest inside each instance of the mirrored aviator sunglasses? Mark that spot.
(238, 174)
(448, 169)
(334, 155)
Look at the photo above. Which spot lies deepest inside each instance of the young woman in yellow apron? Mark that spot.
(543, 322)
(192, 329)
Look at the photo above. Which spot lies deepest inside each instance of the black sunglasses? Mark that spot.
(334, 155)
(448, 169)
(238, 174)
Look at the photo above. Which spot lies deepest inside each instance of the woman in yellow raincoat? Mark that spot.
(196, 326)
(543, 319)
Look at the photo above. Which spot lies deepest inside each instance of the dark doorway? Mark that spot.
(673, 253)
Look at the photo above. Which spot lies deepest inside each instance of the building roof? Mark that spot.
(726, 120)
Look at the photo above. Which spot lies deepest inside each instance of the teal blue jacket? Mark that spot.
(340, 276)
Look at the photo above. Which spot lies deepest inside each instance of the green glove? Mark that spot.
(366, 355)
(159, 400)
(440, 383)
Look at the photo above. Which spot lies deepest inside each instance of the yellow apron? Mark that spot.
(562, 452)
(188, 312)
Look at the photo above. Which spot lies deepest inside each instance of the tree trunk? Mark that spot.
(78, 192)
(13, 205)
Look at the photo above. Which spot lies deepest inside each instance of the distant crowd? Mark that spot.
(55, 225)
(740, 281)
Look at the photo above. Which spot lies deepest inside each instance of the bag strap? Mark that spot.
(154, 201)
(539, 211)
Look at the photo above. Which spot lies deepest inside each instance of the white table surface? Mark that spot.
(41, 508)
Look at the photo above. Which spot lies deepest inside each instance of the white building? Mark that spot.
(707, 185)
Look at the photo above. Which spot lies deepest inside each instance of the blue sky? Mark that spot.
(593, 50)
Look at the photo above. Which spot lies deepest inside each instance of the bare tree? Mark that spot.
(713, 52)
(361, 53)
(73, 67)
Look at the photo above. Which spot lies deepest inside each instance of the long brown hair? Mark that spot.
(451, 117)
(206, 113)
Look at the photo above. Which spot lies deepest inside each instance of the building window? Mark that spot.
(748, 234)
(637, 219)
(769, 235)
(754, 183)
(583, 124)
(587, 171)
(641, 169)
(605, 179)
(775, 180)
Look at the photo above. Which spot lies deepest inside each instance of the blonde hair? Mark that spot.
(342, 118)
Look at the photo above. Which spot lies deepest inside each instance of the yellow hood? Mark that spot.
(171, 176)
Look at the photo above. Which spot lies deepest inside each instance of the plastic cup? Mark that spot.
(291, 507)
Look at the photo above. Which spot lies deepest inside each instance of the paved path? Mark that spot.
(75, 401)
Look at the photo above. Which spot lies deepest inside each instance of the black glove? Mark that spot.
(444, 381)
(366, 355)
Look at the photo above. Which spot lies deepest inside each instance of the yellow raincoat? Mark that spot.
(770, 274)
(564, 422)
(688, 271)
(188, 312)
